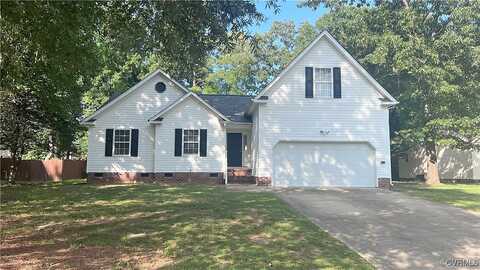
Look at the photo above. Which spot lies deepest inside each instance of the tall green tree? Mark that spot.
(251, 65)
(42, 73)
(427, 53)
(54, 51)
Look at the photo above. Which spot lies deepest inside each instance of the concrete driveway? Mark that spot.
(391, 229)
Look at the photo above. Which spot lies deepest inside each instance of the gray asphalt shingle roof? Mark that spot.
(232, 106)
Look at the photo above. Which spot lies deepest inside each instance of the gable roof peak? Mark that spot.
(153, 119)
(344, 52)
(114, 100)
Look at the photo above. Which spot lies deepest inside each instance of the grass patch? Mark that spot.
(162, 227)
(460, 195)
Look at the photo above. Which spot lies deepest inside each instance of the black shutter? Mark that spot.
(337, 83)
(309, 82)
(203, 142)
(134, 143)
(178, 142)
(108, 142)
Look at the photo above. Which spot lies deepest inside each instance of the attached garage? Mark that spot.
(324, 164)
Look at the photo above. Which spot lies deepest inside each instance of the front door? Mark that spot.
(234, 149)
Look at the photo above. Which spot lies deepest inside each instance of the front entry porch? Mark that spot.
(239, 155)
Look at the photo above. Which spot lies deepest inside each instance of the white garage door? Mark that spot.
(314, 164)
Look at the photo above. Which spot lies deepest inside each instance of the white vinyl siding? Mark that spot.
(357, 117)
(190, 114)
(131, 112)
(323, 82)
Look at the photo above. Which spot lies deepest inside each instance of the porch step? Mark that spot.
(239, 172)
(241, 179)
(240, 176)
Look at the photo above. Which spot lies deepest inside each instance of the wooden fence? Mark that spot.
(45, 170)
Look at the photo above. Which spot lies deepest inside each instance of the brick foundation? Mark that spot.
(263, 181)
(174, 177)
(384, 183)
(241, 179)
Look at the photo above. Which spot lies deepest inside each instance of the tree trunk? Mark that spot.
(12, 170)
(432, 177)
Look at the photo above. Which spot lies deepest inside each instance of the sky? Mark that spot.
(288, 12)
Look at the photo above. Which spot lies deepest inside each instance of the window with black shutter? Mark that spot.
(203, 142)
(308, 82)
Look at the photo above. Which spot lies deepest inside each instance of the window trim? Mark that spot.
(198, 142)
(129, 142)
(315, 81)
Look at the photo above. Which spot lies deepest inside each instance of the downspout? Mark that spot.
(257, 154)
(154, 147)
(226, 159)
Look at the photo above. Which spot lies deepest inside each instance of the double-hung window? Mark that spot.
(190, 141)
(323, 79)
(121, 142)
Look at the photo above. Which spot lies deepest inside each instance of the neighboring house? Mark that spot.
(452, 164)
(322, 122)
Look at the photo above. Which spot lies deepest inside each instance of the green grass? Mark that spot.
(174, 227)
(460, 195)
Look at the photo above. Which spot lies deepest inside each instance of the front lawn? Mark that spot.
(157, 227)
(464, 196)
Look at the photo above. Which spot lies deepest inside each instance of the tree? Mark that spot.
(232, 73)
(427, 53)
(18, 122)
(54, 52)
(42, 73)
(250, 66)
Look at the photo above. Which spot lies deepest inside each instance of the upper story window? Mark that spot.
(121, 142)
(323, 81)
(190, 141)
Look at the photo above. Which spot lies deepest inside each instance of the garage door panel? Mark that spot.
(324, 164)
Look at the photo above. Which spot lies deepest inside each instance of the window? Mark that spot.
(190, 141)
(121, 142)
(323, 82)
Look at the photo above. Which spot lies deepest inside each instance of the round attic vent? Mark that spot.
(160, 87)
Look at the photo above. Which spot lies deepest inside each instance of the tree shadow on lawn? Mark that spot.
(460, 195)
(161, 227)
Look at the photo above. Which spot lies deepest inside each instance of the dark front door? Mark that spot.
(234, 149)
